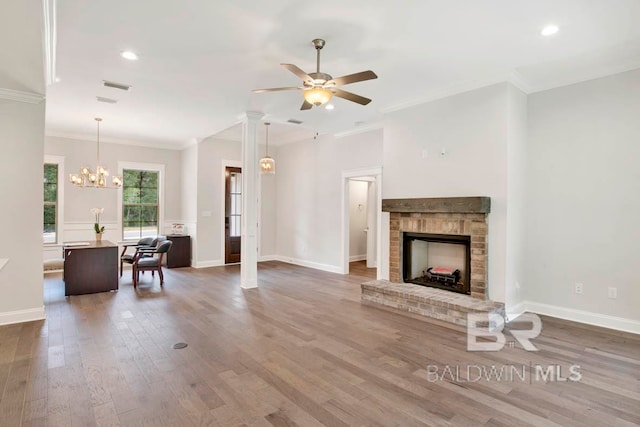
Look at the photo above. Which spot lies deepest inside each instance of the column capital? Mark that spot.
(251, 116)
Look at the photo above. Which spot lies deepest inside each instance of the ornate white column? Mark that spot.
(249, 241)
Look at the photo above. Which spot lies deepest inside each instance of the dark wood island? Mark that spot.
(90, 267)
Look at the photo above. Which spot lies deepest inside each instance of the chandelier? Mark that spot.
(98, 178)
(267, 164)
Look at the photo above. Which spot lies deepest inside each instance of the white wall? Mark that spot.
(358, 195)
(210, 239)
(583, 197)
(22, 141)
(78, 219)
(372, 225)
(267, 245)
(309, 192)
(472, 129)
(211, 155)
(515, 277)
(189, 195)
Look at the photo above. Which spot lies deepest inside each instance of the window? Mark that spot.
(140, 203)
(50, 223)
(235, 201)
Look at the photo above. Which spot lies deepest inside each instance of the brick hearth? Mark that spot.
(430, 302)
(462, 216)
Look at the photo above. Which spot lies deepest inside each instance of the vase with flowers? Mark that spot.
(96, 226)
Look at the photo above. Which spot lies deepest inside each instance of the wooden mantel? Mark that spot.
(480, 205)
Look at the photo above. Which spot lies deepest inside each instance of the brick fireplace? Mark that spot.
(455, 219)
(460, 216)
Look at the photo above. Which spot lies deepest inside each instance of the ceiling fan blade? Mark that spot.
(352, 78)
(351, 96)
(276, 89)
(306, 106)
(298, 72)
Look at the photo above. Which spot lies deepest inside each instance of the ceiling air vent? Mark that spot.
(107, 100)
(294, 121)
(115, 85)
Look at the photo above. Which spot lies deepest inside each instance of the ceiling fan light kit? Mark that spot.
(318, 88)
(317, 96)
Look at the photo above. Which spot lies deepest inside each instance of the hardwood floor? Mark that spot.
(300, 350)
(359, 268)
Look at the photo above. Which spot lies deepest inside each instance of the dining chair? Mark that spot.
(150, 259)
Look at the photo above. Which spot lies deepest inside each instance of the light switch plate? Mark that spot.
(3, 262)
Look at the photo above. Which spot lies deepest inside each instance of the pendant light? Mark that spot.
(98, 178)
(267, 164)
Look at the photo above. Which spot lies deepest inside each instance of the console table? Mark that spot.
(180, 253)
(90, 267)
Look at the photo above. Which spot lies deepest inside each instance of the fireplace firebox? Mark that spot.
(437, 260)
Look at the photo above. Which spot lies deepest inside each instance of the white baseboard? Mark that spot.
(515, 311)
(20, 316)
(354, 258)
(265, 258)
(581, 316)
(310, 264)
(207, 264)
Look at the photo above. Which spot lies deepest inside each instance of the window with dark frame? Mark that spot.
(50, 223)
(235, 208)
(140, 204)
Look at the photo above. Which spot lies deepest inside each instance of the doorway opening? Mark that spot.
(232, 214)
(361, 222)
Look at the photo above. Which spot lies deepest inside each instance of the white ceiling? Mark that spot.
(200, 59)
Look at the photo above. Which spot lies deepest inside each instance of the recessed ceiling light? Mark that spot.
(549, 30)
(329, 107)
(127, 54)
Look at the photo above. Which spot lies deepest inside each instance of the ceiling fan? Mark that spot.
(318, 88)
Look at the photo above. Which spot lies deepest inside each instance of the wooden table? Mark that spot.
(180, 253)
(91, 267)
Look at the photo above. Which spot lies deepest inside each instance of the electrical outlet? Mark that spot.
(578, 289)
(612, 292)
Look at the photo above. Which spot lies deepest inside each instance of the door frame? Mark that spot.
(225, 164)
(375, 172)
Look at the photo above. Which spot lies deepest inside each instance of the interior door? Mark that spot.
(233, 214)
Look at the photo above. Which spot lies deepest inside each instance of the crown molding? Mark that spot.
(49, 40)
(91, 138)
(520, 82)
(447, 92)
(360, 129)
(20, 96)
(591, 74)
(190, 143)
